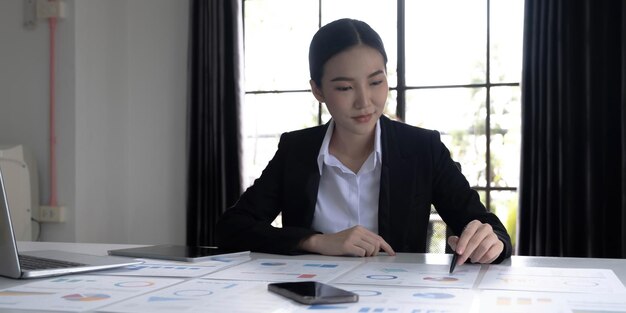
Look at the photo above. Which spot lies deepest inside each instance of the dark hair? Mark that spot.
(336, 37)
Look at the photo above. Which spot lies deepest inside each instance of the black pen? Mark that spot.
(455, 256)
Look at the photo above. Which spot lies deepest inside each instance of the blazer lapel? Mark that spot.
(308, 172)
(384, 202)
(395, 181)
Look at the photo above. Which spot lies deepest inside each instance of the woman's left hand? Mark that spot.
(478, 243)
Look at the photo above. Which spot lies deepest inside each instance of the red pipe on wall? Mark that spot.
(53, 168)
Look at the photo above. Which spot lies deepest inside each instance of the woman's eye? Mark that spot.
(378, 82)
(343, 88)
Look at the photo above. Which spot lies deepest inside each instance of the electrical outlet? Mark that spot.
(50, 8)
(51, 214)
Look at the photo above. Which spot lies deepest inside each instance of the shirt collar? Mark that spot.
(329, 132)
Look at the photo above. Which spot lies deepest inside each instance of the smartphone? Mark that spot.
(312, 292)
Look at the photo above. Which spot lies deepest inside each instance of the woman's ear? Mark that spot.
(317, 91)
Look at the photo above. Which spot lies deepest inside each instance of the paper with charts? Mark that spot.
(77, 293)
(411, 274)
(541, 301)
(390, 299)
(204, 295)
(286, 270)
(158, 268)
(552, 279)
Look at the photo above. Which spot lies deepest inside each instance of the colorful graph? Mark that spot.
(86, 297)
(78, 293)
(521, 301)
(285, 270)
(410, 274)
(203, 295)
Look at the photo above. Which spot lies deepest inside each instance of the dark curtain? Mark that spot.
(215, 95)
(573, 172)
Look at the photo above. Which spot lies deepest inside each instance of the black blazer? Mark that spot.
(417, 171)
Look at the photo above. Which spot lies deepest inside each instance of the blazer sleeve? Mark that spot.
(456, 202)
(247, 224)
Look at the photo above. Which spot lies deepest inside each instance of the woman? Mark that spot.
(362, 183)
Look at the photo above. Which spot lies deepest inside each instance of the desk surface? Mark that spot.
(617, 265)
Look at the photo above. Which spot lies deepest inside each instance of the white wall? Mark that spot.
(121, 114)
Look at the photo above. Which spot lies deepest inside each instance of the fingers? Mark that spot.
(493, 253)
(453, 242)
(355, 241)
(367, 248)
(466, 235)
(372, 243)
(362, 242)
(478, 242)
(386, 247)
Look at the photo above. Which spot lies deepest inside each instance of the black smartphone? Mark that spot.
(312, 292)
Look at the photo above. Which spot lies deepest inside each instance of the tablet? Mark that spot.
(178, 253)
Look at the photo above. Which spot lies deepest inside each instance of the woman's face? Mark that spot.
(354, 88)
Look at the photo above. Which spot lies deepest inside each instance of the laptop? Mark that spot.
(35, 264)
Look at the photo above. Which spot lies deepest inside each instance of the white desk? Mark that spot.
(617, 265)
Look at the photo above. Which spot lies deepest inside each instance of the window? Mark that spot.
(454, 66)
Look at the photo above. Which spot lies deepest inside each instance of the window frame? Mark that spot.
(401, 88)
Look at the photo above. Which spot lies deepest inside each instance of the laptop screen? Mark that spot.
(9, 261)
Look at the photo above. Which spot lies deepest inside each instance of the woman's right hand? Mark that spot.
(354, 241)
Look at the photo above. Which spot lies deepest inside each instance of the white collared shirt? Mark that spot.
(345, 198)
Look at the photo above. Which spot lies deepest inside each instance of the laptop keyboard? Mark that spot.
(34, 263)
